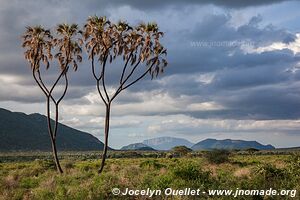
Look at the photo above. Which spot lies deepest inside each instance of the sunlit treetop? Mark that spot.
(106, 40)
(69, 45)
(40, 44)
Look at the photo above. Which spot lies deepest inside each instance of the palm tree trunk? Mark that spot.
(54, 152)
(53, 139)
(106, 131)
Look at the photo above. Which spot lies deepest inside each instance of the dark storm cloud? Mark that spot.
(256, 93)
(267, 103)
(245, 83)
(157, 4)
(230, 79)
(217, 28)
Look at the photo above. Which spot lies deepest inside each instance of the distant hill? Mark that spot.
(21, 132)
(167, 143)
(230, 144)
(288, 149)
(138, 147)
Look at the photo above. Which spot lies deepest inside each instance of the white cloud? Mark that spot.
(205, 106)
(177, 123)
(293, 46)
(154, 129)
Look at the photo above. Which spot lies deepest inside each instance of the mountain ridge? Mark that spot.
(163, 143)
(22, 132)
(138, 146)
(230, 144)
(167, 143)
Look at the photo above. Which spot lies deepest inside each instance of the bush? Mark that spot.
(181, 150)
(269, 171)
(46, 164)
(217, 156)
(191, 171)
(29, 182)
(269, 176)
(151, 164)
(251, 150)
(162, 182)
(69, 165)
(294, 164)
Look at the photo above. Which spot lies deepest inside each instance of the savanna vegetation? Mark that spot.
(38, 179)
(34, 175)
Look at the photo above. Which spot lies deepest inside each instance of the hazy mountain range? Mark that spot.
(167, 143)
(21, 132)
(230, 144)
(138, 146)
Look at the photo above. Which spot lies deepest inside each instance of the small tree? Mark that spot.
(137, 46)
(217, 156)
(181, 150)
(251, 151)
(39, 44)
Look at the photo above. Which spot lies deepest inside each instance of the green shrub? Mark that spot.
(46, 164)
(44, 194)
(294, 164)
(251, 150)
(190, 171)
(169, 155)
(29, 182)
(181, 150)
(269, 171)
(269, 176)
(151, 164)
(162, 182)
(217, 156)
(87, 166)
(69, 165)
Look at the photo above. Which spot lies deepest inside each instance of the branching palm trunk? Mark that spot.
(52, 130)
(136, 45)
(53, 136)
(54, 152)
(108, 102)
(39, 44)
(106, 132)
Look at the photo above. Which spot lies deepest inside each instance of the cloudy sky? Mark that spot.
(233, 70)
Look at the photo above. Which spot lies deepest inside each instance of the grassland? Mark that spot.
(33, 175)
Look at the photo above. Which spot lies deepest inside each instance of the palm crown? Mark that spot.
(37, 42)
(106, 40)
(69, 47)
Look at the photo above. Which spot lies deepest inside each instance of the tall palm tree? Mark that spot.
(138, 46)
(39, 44)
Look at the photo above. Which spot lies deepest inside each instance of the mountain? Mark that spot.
(138, 146)
(230, 144)
(167, 143)
(21, 132)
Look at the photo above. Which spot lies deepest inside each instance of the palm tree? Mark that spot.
(39, 44)
(136, 45)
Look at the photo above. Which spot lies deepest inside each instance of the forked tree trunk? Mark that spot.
(52, 137)
(56, 160)
(106, 131)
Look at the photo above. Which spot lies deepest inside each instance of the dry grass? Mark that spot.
(81, 181)
(49, 183)
(11, 181)
(242, 173)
